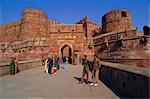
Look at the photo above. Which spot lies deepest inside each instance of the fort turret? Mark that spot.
(34, 23)
(116, 20)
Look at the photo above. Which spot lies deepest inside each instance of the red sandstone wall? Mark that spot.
(50, 22)
(45, 37)
(9, 32)
(65, 28)
(114, 21)
(33, 27)
(34, 24)
(92, 29)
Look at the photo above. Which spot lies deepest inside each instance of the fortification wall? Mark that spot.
(9, 32)
(65, 28)
(116, 20)
(34, 23)
(50, 22)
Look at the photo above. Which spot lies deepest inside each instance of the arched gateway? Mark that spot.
(66, 49)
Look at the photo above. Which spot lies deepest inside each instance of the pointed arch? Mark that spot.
(71, 47)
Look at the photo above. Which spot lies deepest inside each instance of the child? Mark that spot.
(54, 70)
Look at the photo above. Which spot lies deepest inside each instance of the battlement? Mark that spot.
(51, 22)
(83, 20)
(33, 11)
(10, 24)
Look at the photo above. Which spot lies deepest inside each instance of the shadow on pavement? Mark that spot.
(77, 78)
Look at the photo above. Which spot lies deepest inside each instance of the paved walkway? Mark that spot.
(35, 84)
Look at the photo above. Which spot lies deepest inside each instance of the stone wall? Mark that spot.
(23, 65)
(37, 37)
(34, 24)
(127, 37)
(132, 81)
(9, 32)
(116, 20)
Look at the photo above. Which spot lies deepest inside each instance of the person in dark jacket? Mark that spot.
(57, 63)
(95, 70)
(50, 65)
(85, 64)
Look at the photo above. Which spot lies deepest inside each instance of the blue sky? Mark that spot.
(71, 11)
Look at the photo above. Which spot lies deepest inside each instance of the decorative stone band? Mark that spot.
(111, 33)
(116, 19)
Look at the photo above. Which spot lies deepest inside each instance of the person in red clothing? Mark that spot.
(54, 69)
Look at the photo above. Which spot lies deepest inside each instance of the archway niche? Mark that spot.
(66, 51)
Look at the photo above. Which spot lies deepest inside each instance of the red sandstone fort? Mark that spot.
(36, 37)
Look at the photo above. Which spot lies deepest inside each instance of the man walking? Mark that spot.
(57, 63)
(95, 70)
(85, 64)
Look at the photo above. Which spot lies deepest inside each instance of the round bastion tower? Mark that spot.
(34, 24)
(116, 20)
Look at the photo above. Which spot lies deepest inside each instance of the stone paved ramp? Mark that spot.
(35, 84)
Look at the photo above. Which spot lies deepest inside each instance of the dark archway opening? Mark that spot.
(123, 14)
(66, 51)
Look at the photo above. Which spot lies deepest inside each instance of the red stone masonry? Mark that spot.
(116, 20)
(37, 37)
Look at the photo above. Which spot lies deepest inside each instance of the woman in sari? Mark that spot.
(12, 67)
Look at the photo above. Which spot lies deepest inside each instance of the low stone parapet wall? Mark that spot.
(23, 65)
(132, 81)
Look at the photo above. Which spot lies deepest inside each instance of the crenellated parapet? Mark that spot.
(51, 22)
(83, 20)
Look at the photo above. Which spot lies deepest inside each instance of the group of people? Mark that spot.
(51, 67)
(13, 67)
(95, 70)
